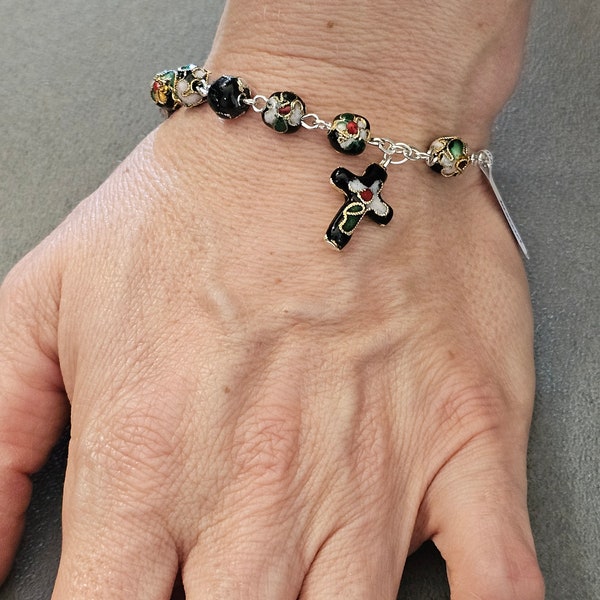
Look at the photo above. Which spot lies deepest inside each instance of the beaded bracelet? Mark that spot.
(348, 133)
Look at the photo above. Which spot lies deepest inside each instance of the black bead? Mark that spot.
(349, 133)
(284, 112)
(226, 97)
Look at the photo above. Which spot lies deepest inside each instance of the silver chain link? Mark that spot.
(203, 87)
(258, 103)
(312, 121)
(389, 148)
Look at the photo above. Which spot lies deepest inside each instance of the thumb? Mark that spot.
(481, 526)
(33, 409)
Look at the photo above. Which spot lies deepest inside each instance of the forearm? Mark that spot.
(418, 68)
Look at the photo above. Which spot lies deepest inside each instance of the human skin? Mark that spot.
(271, 417)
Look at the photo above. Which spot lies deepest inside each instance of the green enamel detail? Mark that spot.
(280, 125)
(356, 147)
(352, 216)
(167, 77)
(456, 148)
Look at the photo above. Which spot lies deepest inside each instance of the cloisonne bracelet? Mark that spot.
(348, 133)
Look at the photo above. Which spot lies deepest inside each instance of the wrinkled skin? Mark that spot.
(274, 418)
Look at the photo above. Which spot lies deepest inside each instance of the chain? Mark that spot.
(394, 153)
(386, 146)
(390, 149)
(312, 121)
(258, 103)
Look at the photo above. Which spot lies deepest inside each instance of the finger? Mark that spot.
(358, 561)
(248, 536)
(33, 407)
(114, 557)
(479, 513)
(249, 557)
(116, 533)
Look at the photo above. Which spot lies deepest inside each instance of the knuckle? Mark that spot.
(134, 448)
(529, 583)
(15, 294)
(29, 299)
(469, 404)
(143, 439)
(517, 576)
(267, 446)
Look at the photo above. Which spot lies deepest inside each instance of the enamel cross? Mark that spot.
(362, 198)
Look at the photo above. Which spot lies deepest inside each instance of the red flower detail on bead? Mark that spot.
(352, 128)
(285, 110)
(366, 195)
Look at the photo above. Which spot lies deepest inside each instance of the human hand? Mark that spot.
(275, 418)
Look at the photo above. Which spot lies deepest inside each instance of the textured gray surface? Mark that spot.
(75, 102)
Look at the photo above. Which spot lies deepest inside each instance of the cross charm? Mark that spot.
(362, 198)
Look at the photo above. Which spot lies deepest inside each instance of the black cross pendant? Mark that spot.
(362, 198)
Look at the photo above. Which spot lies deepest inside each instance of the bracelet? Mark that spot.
(348, 133)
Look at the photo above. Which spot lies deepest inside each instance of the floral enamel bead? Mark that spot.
(448, 156)
(191, 85)
(349, 133)
(163, 91)
(284, 112)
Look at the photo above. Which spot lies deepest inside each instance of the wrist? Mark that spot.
(230, 98)
(279, 201)
(414, 71)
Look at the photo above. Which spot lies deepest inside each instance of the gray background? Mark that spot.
(75, 102)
